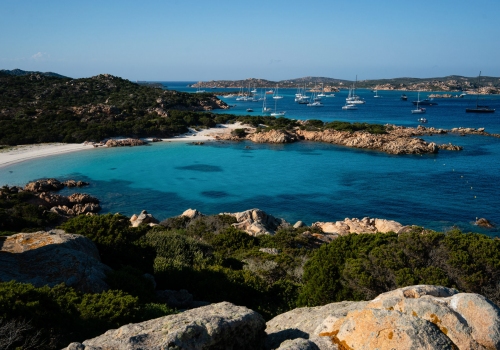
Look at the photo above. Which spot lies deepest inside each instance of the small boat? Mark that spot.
(376, 94)
(349, 106)
(249, 110)
(315, 104)
(404, 97)
(425, 102)
(331, 95)
(419, 110)
(422, 120)
(270, 92)
(200, 91)
(479, 109)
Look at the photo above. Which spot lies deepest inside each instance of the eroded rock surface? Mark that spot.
(216, 326)
(50, 258)
(415, 317)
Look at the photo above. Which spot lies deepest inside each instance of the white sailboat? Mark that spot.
(276, 96)
(419, 110)
(376, 94)
(322, 93)
(353, 98)
(349, 106)
(199, 90)
(265, 109)
(276, 113)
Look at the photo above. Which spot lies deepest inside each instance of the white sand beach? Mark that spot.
(21, 153)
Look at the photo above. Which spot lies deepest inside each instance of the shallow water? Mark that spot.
(304, 181)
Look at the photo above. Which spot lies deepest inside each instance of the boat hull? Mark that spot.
(479, 110)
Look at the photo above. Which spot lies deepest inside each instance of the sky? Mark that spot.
(193, 40)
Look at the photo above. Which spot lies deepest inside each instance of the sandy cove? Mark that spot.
(21, 153)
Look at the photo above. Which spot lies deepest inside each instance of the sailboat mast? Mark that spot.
(477, 92)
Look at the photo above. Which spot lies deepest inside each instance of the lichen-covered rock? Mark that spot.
(216, 326)
(50, 258)
(415, 317)
(125, 142)
(256, 222)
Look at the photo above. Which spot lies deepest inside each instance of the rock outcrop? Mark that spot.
(50, 258)
(365, 225)
(484, 223)
(256, 222)
(388, 143)
(216, 326)
(191, 213)
(143, 218)
(44, 185)
(125, 142)
(75, 204)
(273, 136)
(415, 317)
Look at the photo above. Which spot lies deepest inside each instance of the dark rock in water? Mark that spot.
(484, 223)
(216, 326)
(50, 258)
(73, 183)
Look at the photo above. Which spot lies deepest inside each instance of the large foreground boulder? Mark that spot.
(50, 258)
(416, 317)
(216, 326)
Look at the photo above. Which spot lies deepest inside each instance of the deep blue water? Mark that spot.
(303, 181)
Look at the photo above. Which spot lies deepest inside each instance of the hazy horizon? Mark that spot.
(272, 40)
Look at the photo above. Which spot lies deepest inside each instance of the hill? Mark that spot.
(36, 108)
(488, 85)
(19, 72)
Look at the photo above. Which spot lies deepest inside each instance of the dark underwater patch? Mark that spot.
(215, 194)
(205, 168)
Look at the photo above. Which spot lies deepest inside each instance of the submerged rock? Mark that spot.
(216, 326)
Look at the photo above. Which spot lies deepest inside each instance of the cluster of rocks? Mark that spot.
(364, 225)
(72, 205)
(124, 142)
(415, 317)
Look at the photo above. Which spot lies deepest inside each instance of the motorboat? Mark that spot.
(249, 110)
(422, 120)
(315, 104)
(404, 97)
(425, 102)
(349, 106)
(419, 110)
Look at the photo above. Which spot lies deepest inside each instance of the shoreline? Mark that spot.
(22, 153)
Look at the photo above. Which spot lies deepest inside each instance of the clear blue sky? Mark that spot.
(273, 39)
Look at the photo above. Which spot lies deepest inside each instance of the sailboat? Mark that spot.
(322, 94)
(353, 98)
(276, 96)
(376, 94)
(419, 110)
(276, 113)
(264, 108)
(199, 91)
(479, 109)
(316, 102)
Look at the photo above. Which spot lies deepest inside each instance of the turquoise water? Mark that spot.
(304, 181)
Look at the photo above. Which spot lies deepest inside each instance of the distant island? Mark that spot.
(451, 83)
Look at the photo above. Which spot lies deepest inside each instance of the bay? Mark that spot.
(303, 181)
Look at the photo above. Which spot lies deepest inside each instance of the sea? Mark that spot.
(302, 181)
